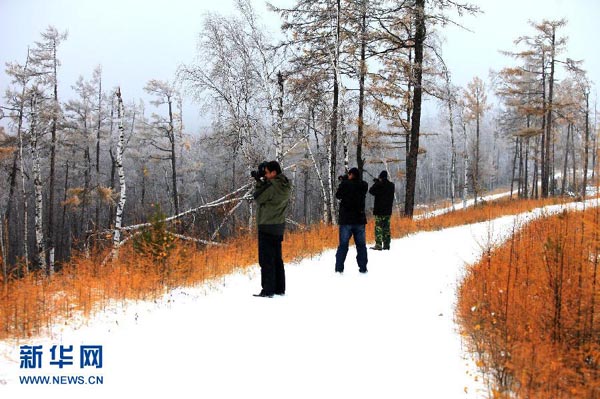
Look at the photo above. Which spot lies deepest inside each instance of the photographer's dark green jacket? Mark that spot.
(272, 197)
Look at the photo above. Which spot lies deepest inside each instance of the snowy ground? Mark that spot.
(459, 205)
(387, 334)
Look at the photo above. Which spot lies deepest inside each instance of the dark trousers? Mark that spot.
(272, 273)
(346, 231)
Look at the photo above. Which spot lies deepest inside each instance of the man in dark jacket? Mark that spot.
(383, 191)
(352, 220)
(272, 193)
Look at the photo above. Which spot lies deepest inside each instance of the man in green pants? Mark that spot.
(383, 190)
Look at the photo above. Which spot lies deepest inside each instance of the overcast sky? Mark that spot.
(139, 40)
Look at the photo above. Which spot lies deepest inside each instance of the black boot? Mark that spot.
(263, 294)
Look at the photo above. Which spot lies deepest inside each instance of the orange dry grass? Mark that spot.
(30, 305)
(530, 309)
(486, 211)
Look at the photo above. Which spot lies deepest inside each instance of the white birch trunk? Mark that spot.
(37, 183)
(338, 82)
(121, 173)
(329, 198)
(344, 131)
(450, 102)
(321, 182)
(4, 252)
(279, 133)
(216, 232)
(251, 217)
(465, 165)
(22, 166)
(334, 55)
(294, 191)
(23, 191)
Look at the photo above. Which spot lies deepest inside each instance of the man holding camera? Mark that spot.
(352, 219)
(271, 193)
(383, 191)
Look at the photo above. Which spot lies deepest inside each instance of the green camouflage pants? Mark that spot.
(382, 231)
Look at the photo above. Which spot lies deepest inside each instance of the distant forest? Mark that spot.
(345, 87)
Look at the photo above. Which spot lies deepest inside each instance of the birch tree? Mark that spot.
(121, 172)
(235, 77)
(7, 150)
(312, 117)
(463, 123)
(34, 135)
(17, 100)
(450, 98)
(314, 31)
(44, 60)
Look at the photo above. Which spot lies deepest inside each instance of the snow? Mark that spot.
(389, 333)
(458, 204)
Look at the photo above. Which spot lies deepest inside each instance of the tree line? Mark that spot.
(344, 85)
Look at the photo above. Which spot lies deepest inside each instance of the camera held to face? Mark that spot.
(260, 172)
(343, 177)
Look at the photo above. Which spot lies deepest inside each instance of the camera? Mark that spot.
(260, 172)
(343, 177)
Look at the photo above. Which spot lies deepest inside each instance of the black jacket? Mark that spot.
(383, 190)
(352, 194)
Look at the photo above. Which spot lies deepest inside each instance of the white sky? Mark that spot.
(475, 53)
(139, 40)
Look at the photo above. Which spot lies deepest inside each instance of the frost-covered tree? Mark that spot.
(314, 30)
(235, 78)
(476, 106)
(45, 63)
(121, 172)
(167, 127)
(17, 99)
(79, 125)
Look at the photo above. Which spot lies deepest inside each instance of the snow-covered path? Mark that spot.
(387, 334)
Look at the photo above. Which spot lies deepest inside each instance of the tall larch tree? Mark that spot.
(476, 104)
(415, 127)
(44, 59)
(421, 14)
(79, 116)
(165, 94)
(548, 32)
